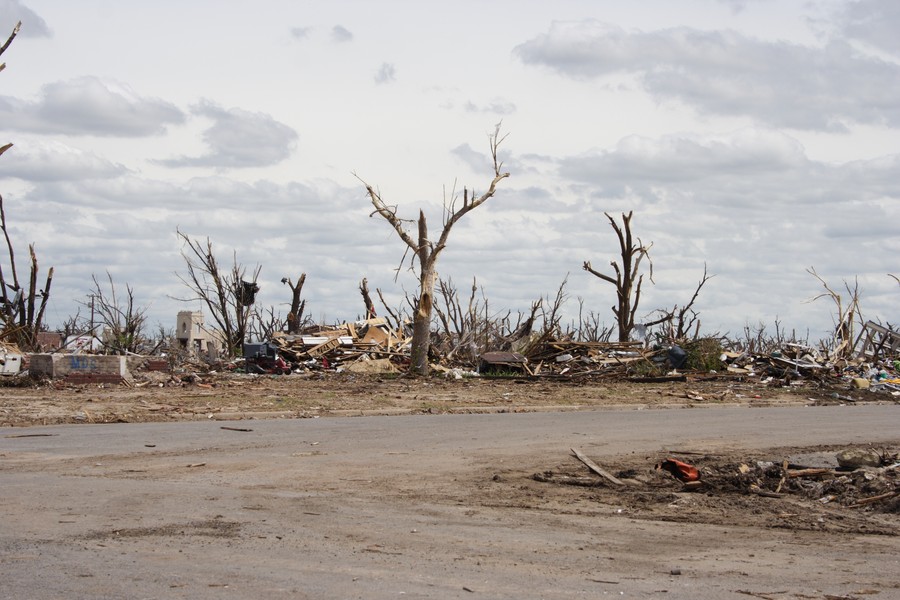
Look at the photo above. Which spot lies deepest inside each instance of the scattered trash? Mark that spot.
(845, 374)
(863, 488)
(502, 363)
(681, 471)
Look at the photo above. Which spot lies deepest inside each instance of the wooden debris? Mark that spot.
(323, 348)
(809, 473)
(874, 499)
(784, 475)
(755, 489)
(596, 468)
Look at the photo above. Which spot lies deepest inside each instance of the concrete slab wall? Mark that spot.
(63, 365)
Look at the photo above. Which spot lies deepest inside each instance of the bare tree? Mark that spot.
(9, 41)
(229, 295)
(22, 304)
(119, 315)
(73, 325)
(627, 281)
(396, 318)
(466, 330)
(678, 322)
(590, 327)
(470, 328)
(426, 252)
(757, 341)
(528, 341)
(367, 298)
(298, 306)
(457, 321)
(163, 340)
(841, 344)
(265, 323)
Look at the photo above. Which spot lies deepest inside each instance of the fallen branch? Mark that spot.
(809, 472)
(874, 499)
(755, 489)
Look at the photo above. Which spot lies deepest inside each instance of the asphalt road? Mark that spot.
(375, 507)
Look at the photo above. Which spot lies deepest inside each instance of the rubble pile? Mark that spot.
(853, 488)
(343, 346)
(847, 373)
(373, 346)
(557, 358)
(11, 359)
(873, 483)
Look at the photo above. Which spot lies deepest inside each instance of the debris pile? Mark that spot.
(11, 359)
(559, 358)
(847, 373)
(340, 346)
(827, 487)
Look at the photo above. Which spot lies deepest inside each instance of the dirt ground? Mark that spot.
(762, 490)
(155, 396)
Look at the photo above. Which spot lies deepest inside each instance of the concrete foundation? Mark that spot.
(57, 366)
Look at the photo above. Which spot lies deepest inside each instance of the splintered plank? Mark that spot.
(596, 468)
(324, 348)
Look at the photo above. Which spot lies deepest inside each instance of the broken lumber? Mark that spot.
(809, 472)
(596, 468)
(874, 499)
(324, 348)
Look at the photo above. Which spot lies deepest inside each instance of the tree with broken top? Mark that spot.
(226, 293)
(426, 252)
(22, 304)
(298, 306)
(627, 281)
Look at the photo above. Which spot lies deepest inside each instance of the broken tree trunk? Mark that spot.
(367, 299)
(427, 252)
(627, 281)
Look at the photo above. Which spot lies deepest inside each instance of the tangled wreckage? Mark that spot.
(870, 366)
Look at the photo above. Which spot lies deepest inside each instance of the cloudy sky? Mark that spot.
(757, 137)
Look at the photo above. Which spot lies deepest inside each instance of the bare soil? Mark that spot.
(155, 396)
(162, 397)
(740, 489)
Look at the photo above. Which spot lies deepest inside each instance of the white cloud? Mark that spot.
(498, 107)
(727, 73)
(738, 137)
(387, 73)
(738, 6)
(89, 106)
(641, 162)
(239, 138)
(341, 35)
(12, 11)
(300, 33)
(875, 22)
(36, 160)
